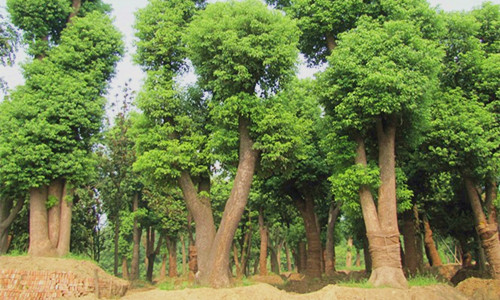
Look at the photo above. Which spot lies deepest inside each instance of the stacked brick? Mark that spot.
(41, 285)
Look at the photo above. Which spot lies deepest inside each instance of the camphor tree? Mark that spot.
(46, 150)
(378, 82)
(236, 48)
(463, 136)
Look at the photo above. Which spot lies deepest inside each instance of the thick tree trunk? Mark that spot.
(263, 244)
(381, 222)
(40, 244)
(201, 210)
(330, 242)
(219, 255)
(55, 191)
(305, 204)
(125, 274)
(172, 256)
(430, 246)
(65, 223)
(367, 256)
(136, 238)
(487, 230)
(348, 256)
(302, 258)
(411, 258)
(7, 216)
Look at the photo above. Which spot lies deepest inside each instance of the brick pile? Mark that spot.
(41, 285)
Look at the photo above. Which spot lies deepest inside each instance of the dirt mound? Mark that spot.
(487, 289)
(265, 291)
(26, 277)
(269, 279)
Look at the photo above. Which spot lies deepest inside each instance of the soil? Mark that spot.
(289, 286)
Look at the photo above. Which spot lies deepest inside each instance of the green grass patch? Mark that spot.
(364, 284)
(425, 280)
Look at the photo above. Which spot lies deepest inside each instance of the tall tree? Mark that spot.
(58, 114)
(378, 77)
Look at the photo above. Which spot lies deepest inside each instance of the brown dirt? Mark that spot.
(332, 292)
(475, 288)
(82, 268)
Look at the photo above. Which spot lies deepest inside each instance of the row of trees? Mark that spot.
(400, 131)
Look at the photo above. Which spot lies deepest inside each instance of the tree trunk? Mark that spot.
(246, 248)
(348, 257)
(302, 265)
(136, 237)
(172, 256)
(65, 222)
(184, 256)
(233, 211)
(274, 261)
(430, 246)
(358, 259)
(150, 253)
(7, 216)
(409, 231)
(288, 258)
(125, 274)
(487, 231)
(366, 254)
(330, 242)
(40, 244)
(55, 191)
(163, 268)
(201, 210)
(115, 244)
(263, 244)
(381, 222)
(305, 204)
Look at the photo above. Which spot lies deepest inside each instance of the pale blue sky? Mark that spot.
(123, 11)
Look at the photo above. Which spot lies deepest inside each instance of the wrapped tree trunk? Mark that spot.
(381, 222)
(486, 229)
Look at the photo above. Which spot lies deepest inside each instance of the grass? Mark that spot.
(424, 280)
(364, 284)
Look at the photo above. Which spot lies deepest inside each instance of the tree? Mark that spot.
(378, 77)
(47, 150)
(9, 41)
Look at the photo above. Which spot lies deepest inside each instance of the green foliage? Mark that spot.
(9, 41)
(237, 46)
(323, 21)
(159, 31)
(463, 136)
(58, 111)
(51, 201)
(379, 71)
(42, 22)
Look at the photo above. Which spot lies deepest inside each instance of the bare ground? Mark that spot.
(472, 288)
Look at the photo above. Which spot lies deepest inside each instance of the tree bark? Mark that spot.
(55, 191)
(487, 230)
(305, 204)
(7, 216)
(430, 246)
(125, 274)
(201, 210)
(302, 265)
(163, 268)
(288, 258)
(136, 237)
(411, 258)
(263, 244)
(184, 255)
(40, 244)
(330, 242)
(172, 256)
(381, 222)
(348, 257)
(233, 211)
(65, 222)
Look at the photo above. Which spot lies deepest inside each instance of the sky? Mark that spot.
(123, 13)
